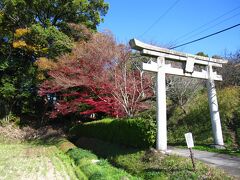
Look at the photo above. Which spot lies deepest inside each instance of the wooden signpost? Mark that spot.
(161, 68)
(190, 145)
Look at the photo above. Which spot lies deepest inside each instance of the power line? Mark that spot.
(206, 36)
(210, 27)
(209, 22)
(160, 17)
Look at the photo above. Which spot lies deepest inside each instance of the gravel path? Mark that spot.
(230, 164)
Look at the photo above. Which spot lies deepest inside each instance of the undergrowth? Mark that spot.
(150, 164)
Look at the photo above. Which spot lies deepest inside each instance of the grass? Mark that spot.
(95, 168)
(88, 163)
(27, 161)
(147, 164)
(228, 151)
(54, 158)
(232, 152)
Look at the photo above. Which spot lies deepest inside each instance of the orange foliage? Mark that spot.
(45, 64)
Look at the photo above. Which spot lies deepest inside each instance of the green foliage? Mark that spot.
(202, 54)
(150, 164)
(16, 85)
(94, 168)
(51, 38)
(43, 42)
(141, 131)
(11, 118)
(15, 13)
(33, 29)
(86, 164)
(165, 167)
(137, 132)
(198, 121)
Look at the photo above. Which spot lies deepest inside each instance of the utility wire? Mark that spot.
(160, 17)
(206, 36)
(215, 19)
(185, 39)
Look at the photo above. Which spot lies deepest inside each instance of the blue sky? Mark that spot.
(128, 19)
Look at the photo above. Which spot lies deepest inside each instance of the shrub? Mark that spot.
(141, 131)
(198, 121)
(135, 132)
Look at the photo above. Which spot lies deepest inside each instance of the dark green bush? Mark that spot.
(137, 132)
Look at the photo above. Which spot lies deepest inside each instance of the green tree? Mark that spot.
(23, 13)
(202, 54)
(30, 29)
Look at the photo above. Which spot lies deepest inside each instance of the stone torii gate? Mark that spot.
(188, 60)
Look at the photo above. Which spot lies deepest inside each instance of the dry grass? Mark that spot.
(13, 133)
(24, 161)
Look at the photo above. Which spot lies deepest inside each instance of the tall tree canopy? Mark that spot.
(23, 13)
(35, 30)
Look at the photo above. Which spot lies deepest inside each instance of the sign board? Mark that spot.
(189, 140)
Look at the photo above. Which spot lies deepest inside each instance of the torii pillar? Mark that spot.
(214, 111)
(188, 71)
(161, 106)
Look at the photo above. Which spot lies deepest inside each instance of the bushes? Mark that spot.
(197, 120)
(138, 132)
(141, 131)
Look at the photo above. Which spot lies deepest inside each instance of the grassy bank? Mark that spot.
(51, 156)
(86, 162)
(149, 164)
(26, 161)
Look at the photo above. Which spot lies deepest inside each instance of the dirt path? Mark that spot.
(24, 161)
(229, 164)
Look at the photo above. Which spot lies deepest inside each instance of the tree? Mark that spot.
(23, 13)
(180, 90)
(202, 54)
(231, 70)
(31, 31)
(97, 76)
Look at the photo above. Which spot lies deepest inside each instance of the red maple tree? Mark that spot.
(98, 76)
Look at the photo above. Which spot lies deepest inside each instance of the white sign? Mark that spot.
(189, 140)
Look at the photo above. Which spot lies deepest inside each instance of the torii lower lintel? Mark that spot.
(161, 69)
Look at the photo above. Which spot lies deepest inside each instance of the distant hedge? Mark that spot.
(141, 131)
(137, 132)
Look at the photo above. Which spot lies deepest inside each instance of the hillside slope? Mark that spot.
(197, 119)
